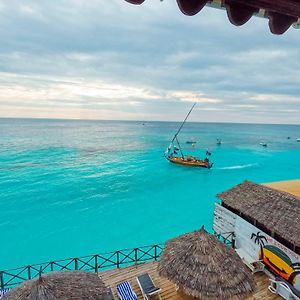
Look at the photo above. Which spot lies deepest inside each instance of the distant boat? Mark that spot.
(263, 144)
(298, 140)
(288, 137)
(219, 141)
(174, 149)
(192, 141)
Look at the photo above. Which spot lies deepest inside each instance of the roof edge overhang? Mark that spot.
(280, 13)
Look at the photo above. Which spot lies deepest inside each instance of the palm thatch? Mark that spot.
(271, 210)
(205, 268)
(75, 285)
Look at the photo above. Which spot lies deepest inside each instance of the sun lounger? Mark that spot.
(284, 289)
(125, 291)
(110, 295)
(147, 286)
(3, 292)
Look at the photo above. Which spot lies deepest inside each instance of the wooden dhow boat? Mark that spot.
(191, 161)
(175, 155)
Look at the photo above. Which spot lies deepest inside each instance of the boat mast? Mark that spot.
(175, 136)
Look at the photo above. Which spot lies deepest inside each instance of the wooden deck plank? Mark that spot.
(113, 277)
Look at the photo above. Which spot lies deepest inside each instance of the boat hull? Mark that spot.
(190, 163)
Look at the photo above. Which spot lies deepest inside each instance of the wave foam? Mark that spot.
(239, 167)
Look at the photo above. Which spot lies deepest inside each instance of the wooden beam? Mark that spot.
(238, 14)
(191, 7)
(280, 23)
(285, 7)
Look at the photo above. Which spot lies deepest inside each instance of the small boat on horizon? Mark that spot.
(191, 142)
(263, 144)
(298, 140)
(174, 149)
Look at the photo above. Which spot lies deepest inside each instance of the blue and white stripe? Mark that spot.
(125, 291)
(3, 292)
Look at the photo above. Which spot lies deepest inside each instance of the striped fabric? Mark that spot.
(125, 291)
(3, 292)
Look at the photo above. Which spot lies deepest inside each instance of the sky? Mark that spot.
(100, 59)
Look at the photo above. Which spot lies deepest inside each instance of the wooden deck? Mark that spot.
(115, 276)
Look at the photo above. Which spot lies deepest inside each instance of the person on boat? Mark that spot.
(208, 152)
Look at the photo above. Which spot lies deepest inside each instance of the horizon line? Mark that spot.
(142, 121)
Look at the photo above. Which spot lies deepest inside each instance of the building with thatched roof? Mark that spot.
(275, 212)
(265, 224)
(75, 285)
(205, 268)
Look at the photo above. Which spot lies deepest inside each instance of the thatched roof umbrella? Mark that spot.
(205, 268)
(75, 285)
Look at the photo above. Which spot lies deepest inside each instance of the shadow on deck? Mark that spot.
(115, 276)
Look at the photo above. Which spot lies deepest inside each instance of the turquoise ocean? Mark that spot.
(74, 188)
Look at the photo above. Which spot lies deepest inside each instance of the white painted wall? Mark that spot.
(225, 220)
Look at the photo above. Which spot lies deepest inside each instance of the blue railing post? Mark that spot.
(233, 241)
(155, 252)
(1, 280)
(135, 255)
(118, 259)
(96, 263)
(28, 272)
(75, 264)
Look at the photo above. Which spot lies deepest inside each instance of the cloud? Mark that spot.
(193, 97)
(274, 98)
(115, 60)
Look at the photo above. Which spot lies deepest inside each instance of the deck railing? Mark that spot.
(92, 263)
(227, 238)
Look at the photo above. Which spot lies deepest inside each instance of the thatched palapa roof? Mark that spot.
(75, 285)
(205, 268)
(281, 13)
(275, 210)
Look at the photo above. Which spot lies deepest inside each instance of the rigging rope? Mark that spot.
(175, 136)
